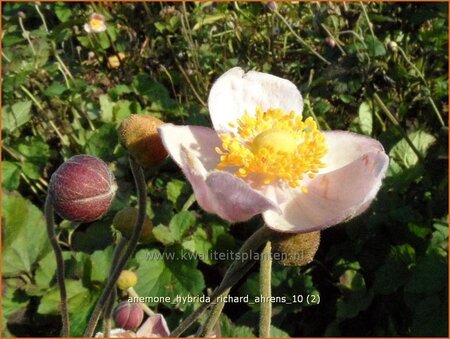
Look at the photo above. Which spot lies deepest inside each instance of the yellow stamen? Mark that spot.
(275, 145)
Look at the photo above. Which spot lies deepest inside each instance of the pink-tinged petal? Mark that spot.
(117, 333)
(345, 147)
(237, 92)
(199, 141)
(234, 199)
(333, 197)
(220, 192)
(154, 327)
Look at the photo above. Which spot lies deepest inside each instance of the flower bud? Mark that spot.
(126, 280)
(21, 14)
(139, 135)
(114, 61)
(125, 220)
(295, 249)
(82, 188)
(393, 47)
(272, 6)
(330, 42)
(128, 315)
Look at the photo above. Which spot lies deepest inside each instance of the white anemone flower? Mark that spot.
(96, 24)
(263, 157)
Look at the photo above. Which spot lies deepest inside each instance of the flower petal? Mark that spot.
(200, 141)
(333, 197)
(237, 92)
(345, 147)
(235, 200)
(154, 327)
(216, 192)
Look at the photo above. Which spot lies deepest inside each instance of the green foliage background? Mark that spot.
(378, 69)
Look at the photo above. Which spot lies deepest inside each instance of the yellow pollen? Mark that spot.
(279, 140)
(275, 146)
(96, 23)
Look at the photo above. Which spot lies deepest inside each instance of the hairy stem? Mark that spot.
(234, 273)
(49, 216)
(265, 283)
(139, 180)
(107, 313)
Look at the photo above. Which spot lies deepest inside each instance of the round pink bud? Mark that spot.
(330, 42)
(82, 188)
(128, 315)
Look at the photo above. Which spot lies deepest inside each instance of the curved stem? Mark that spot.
(139, 180)
(107, 313)
(265, 283)
(234, 273)
(132, 293)
(49, 217)
(214, 316)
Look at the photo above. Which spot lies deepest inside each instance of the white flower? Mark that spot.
(96, 24)
(262, 157)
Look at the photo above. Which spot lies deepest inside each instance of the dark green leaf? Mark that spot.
(375, 47)
(16, 115)
(174, 274)
(25, 238)
(10, 175)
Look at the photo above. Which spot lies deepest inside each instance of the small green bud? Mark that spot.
(126, 280)
(125, 220)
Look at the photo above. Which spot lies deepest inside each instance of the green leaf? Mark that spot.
(63, 11)
(356, 298)
(275, 332)
(12, 301)
(174, 190)
(322, 106)
(55, 89)
(169, 274)
(25, 240)
(164, 235)
(122, 109)
(31, 170)
(430, 274)
(200, 244)
(375, 47)
(16, 115)
(352, 280)
(106, 108)
(181, 223)
(103, 40)
(97, 236)
(46, 271)
(101, 262)
(35, 150)
(10, 175)
(404, 161)
(96, 144)
(365, 118)
(118, 90)
(205, 240)
(230, 330)
(77, 295)
(156, 93)
(350, 307)
(395, 271)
